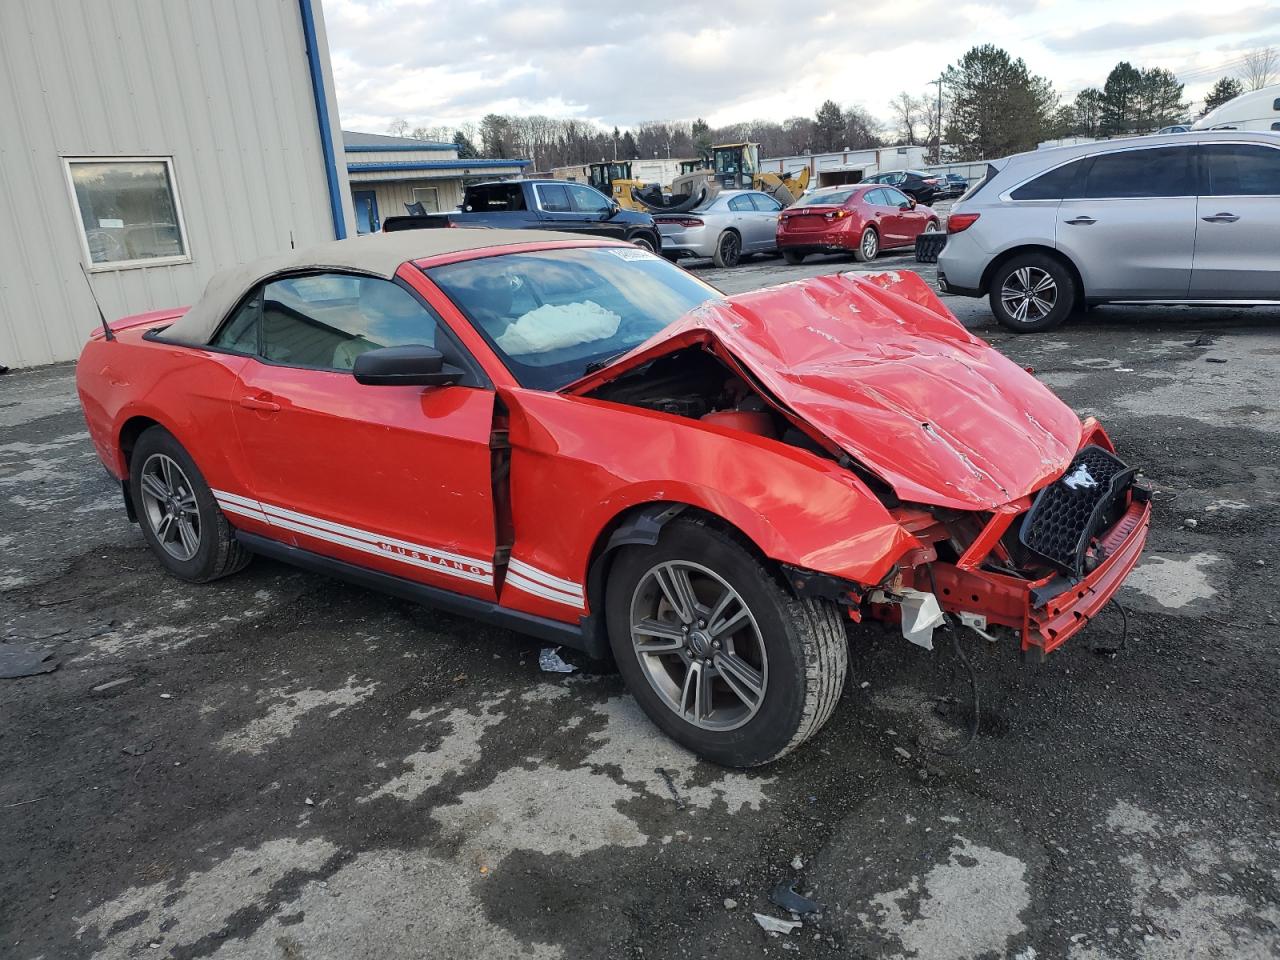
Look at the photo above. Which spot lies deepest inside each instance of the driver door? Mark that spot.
(395, 478)
(596, 211)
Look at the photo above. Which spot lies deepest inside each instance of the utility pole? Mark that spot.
(937, 133)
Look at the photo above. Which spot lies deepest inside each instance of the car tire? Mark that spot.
(644, 242)
(795, 652)
(932, 227)
(793, 257)
(195, 543)
(868, 246)
(1051, 289)
(728, 250)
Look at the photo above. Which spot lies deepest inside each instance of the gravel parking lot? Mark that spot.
(282, 766)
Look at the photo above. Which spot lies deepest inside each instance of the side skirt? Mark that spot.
(571, 635)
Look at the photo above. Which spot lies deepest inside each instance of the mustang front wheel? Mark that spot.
(176, 510)
(716, 651)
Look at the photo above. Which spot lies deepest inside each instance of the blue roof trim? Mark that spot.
(322, 118)
(387, 166)
(397, 147)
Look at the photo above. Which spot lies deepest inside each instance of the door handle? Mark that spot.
(1221, 218)
(260, 402)
(1081, 221)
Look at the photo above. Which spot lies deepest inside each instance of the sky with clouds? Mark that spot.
(445, 62)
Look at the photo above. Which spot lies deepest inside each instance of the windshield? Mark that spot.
(551, 314)
(824, 198)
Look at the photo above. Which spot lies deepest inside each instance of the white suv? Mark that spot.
(1182, 218)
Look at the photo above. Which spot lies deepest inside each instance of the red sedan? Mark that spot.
(861, 219)
(577, 439)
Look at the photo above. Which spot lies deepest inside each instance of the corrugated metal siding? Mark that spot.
(392, 196)
(402, 156)
(221, 86)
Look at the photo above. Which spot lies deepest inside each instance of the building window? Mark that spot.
(429, 197)
(129, 211)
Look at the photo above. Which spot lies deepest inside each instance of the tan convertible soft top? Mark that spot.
(377, 255)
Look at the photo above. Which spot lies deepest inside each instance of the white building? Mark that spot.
(848, 166)
(156, 143)
(388, 174)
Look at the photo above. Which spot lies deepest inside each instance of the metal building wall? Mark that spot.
(221, 86)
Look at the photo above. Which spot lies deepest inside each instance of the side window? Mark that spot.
(1061, 183)
(1163, 172)
(875, 198)
(894, 197)
(326, 320)
(586, 200)
(740, 204)
(240, 333)
(1242, 170)
(554, 198)
(765, 203)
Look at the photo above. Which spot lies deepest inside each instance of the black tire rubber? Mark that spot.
(793, 257)
(805, 641)
(219, 554)
(728, 250)
(644, 242)
(859, 254)
(1062, 309)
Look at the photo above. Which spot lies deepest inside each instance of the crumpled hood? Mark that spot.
(880, 367)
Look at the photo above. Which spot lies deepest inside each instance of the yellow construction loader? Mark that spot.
(733, 166)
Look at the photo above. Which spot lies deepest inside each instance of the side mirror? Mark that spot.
(413, 365)
(614, 209)
(908, 204)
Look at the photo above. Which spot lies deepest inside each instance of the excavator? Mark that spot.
(733, 166)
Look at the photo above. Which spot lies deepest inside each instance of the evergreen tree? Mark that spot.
(1227, 88)
(1121, 97)
(828, 126)
(466, 149)
(997, 106)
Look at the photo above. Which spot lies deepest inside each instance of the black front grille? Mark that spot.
(1071, 511)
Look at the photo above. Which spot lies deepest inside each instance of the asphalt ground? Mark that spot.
(282, 766)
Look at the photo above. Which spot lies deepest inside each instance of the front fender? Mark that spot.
(578, 463)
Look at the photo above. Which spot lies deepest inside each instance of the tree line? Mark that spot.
(990, 105)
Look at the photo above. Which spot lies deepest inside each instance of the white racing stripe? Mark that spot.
(530, 572)
(529, 579)
(402, 551)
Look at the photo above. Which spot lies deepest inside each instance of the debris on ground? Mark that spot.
(1215, 359)
(1204, 340)
(550, 662)
(136, 749)
(797, 863)
(774, 925)
(671, 785)
(784, 895)
(109, 688)
(730, 903)
(25, 660)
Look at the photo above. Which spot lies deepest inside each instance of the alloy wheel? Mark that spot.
(643, 244)
(1029, 294)
(699, 645)
(169, 502)
(870, 244)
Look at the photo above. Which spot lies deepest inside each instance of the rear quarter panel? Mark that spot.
(186, 390)
(578, 463)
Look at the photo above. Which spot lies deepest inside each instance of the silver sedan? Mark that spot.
(726, 227)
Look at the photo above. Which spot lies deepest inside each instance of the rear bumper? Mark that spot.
(818, 242)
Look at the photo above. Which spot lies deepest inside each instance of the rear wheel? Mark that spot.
(932, 227)
(1031, 293)
(793, 257)
(716, 652)
(643, 242)
(179, 517)
(868, 246)
(728, 250)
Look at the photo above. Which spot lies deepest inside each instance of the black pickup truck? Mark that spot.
(540, 205)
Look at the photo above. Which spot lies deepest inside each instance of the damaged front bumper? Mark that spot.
(983, 590)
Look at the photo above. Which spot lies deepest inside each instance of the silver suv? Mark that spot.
(1183, 218)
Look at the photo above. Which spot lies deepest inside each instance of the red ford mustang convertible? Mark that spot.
(578, 440)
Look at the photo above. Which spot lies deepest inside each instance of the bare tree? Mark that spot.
(1261, 68)
(908, 111)
(398, 127)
